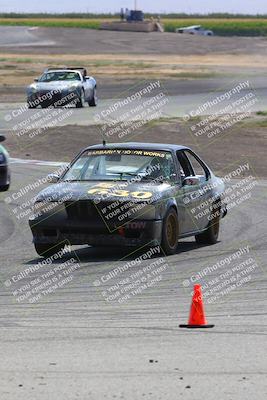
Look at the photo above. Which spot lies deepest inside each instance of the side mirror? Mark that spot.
(2, 138)
(52, 178)
(36, 79)
(191, 181)
(88, 77)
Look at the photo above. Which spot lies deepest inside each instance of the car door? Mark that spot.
(202, 195)
(194, 194)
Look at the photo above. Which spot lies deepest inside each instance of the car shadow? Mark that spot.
(106, 254)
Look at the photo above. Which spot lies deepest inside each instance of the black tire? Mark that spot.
(211, 234)
(81, 100)
(170, 232)
(93, 101)
(30, 106)
(47, 249)
(4, 188)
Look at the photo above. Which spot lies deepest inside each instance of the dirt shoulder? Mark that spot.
(86, 41)
(18, 70)
(243, 143)
(123, 57)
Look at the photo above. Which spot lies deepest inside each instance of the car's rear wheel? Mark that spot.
(93, 101)
(48, 249)
(81, 100)
(211, 234)
(170, 232)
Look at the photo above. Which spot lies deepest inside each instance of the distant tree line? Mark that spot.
(115, 15)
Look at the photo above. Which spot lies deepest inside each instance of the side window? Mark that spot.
(184, 164)
(198, 168)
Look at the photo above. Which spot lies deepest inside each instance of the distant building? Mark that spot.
(134, 15)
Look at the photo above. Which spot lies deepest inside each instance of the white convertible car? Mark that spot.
(60, 86)
(195, 30)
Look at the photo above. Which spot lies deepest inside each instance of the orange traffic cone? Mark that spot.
(197, 317)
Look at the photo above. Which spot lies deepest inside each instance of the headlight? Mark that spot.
(73, 87)
(39, 208)
(33, 88)
(46, 207)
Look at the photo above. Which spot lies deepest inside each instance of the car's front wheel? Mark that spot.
(81, 100)
(170, 232)
(47, 249)
(93, 101)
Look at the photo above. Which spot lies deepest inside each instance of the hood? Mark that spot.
(55, 85)
(73, 191)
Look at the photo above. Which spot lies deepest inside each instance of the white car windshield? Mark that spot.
(60, 76)
(122, 164)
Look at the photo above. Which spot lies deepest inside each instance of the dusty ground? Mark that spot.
(185, 64)
(20, 70)
(25, 53)
(86, 41)
(236, 144)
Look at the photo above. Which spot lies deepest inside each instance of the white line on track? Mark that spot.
(36, 162)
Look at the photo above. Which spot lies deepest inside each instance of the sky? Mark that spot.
(158, 6)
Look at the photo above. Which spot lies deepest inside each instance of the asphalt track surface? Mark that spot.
(21, 36)
(86, 41)
(75, 344)
(179, 106)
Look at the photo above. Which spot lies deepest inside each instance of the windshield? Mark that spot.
(120, 164)
(60, 76)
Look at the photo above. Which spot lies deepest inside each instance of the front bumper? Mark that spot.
(46, 98)
(4, 175)
(137, 233)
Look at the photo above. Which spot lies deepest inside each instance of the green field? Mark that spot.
(55, 22)
(220, 26)
(223, 27)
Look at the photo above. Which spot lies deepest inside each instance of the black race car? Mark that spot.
(129, 194)
(4, 167)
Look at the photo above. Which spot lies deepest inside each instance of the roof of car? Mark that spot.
(139, 145)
